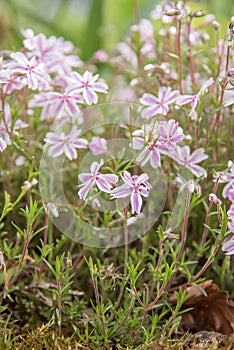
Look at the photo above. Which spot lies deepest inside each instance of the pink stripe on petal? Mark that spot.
(90, 96)
(143, 191)
(197, 170)
(83, 192)
(80, 143)
(100, 87)
(136, 202)
(111, 178)
(70, 152)
(198, 156)
(148, 99)
(151, 111)
(141, 179)
(121, 191)
(56, 150)
(95, 167)
(155, 159)
(85, 177)
(103, 184)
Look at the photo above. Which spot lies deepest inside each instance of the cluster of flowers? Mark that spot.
(47, 68)
(134, 186)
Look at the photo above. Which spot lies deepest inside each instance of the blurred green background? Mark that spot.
(89, 24)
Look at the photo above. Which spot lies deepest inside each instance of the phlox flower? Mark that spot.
(67, 144)
(30, 69)
(156, 138)
(158, 105)
(87, 85)
(170, 133)
(55, 103)
(127, 54)
(182, 156)
(98, 145)
(146, 140)
(194, 99)
(104, 182)
(134, 186)
(51, 51)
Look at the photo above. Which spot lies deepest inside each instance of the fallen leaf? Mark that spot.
(211, 309)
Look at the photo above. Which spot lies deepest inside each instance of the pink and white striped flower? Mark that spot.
(98, 145)
(56, 104)
(182, 156)
(134, 186)
(104, 182)
(65, 143)
(158, 105)
(194, 99)
(87, 85)
(31, 70)
(146, 140)
(170, 133)
(51, 51)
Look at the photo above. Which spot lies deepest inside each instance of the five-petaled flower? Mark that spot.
(170, 133)
(158, 105)
(146, 140)
(56, 104)
(182, 156)
(135, 187)
(62, 143)
(104, 182)
(30, 69)
(98, 145)
(87, 85)
(194, 99)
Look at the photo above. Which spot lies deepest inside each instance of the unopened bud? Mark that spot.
(205, 37)
(216, 25)
(213, 198)
(172, 12)
(223, 176)
(51, 208)
(197, 14)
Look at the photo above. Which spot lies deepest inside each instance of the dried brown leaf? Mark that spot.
(211, 309)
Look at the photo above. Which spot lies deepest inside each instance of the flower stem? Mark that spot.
(218, 115)
(205, 232)
(178, 49)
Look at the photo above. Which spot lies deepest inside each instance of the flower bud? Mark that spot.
(172, 12)
(51, 208)
(216, 25)
(197, 14)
